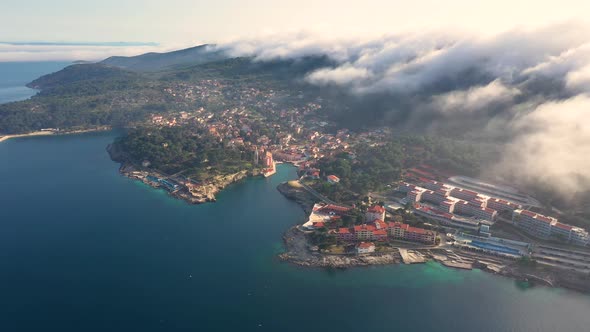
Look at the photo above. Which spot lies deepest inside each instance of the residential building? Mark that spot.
(333, 179)
(484, 213)
(344, 234)
(448, 206)
(416, 234)
(406, 187)
(464, 194)
(375, 212)
(533, 223)
(435, 185)
(580, 237)
(462, 207)
(433, 197)
(415, 196)
(396, 229)
(364, 232)
(502, 205)
(406, 232)
(365, 248)
(333, 209)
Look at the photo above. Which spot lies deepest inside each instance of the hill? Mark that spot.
(157, 61)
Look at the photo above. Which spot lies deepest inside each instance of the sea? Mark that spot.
(83, 248)
(15, 75)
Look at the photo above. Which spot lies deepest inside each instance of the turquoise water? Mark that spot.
(85, 249)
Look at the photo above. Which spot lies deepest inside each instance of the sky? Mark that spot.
(181, 22)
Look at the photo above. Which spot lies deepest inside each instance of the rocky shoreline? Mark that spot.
(297, 194)
(298, 251)
(188, 191)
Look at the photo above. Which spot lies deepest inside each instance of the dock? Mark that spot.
(411, 256)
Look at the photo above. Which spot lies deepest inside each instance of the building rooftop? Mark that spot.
(376, 209)
(366, 245)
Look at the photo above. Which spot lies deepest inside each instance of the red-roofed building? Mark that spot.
(420, 235)
(380, 224)
(336, 209)
(364, 232)
(448, 206)
(462, 207)
(562, 230)
(484, 213)
(533, 223)
(502, 205)
(464, 194)
(415, 196)
(405, 232)
(375, 212)
(435, 185)
(344, 234)
(379, 235)
(318, 224)
(365, 248)
(333, 179)
(433, 197)
(546, 227)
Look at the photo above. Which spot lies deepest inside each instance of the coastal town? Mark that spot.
(413, 214)
(466, 223)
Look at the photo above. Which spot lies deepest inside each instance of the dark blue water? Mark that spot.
(85, 249)
(15, 75)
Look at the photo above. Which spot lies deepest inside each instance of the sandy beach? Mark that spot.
(47, 133)
(36, 133)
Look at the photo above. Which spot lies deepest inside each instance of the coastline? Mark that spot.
(177, 187)
(35, 133)
(56, 133)
(205, 193)
(300, 252)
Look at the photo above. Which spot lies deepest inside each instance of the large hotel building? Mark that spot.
(548, 227)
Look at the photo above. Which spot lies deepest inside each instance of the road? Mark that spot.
(317, 194)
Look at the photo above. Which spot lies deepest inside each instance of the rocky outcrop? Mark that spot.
(340, 261)
(299, 195)
(207, 192)
(191, 193)
(299, 253)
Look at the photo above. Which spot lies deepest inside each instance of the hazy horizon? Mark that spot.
(146, 26)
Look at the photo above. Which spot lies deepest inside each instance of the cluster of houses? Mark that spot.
(375, 229)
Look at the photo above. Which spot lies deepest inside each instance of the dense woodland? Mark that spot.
(188, 150)
(373, 168)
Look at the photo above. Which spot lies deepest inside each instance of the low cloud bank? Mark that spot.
(23, 52)
(530, 87)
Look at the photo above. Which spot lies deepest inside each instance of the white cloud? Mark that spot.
(35, 52)
(579, 79)
(475, 98)
(552, 146)
(342, 75)
(411, 62)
